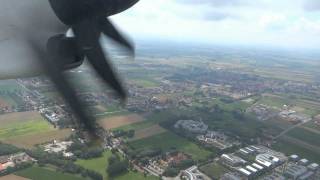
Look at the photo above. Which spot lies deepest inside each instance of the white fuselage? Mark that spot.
(22, 21)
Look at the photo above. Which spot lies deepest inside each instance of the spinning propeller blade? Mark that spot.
(88, 19)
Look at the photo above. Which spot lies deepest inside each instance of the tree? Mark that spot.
(6, 149)
(130, 133)
(117, 168)
(171, 172)
(112, 159)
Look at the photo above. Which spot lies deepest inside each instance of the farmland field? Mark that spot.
(145, 83)
(97, 164)
(135, 176)
(312, 125)
(290, 148)
(167, 141)
(149, 131)
(13, 177)
(22, 123)
(100, 165)
(277, 125)
(299, 104)
(29, 141)
(273, 100)
(38, 173)
(305, 136)
(137, 126)
(118, 121)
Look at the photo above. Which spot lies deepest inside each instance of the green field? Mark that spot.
(167, 141)
(214, 170)
(291, 148)
(23, 124)
(135, 176)
(18, 129)
(151, 119)
(310, 108)
(305, 136)
(97, 164)
(137, 126)
(111, 114)
(236, 105)
(312, 125)
(100, 165)
(273, 101)
(38, 173)
(276, 126)
(145, 83)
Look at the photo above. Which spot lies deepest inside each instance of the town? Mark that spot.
(205, 120)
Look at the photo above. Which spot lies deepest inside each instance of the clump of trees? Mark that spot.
(174, 169)
(171, 172)
(117, 166)
(62, 164)
(122, 133)
(6, 149)
(89, 153)
(17, 167)
(83, 151)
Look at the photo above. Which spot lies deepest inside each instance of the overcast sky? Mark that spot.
(294, 23)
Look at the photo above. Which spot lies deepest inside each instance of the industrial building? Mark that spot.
(267, 160)
(257, 166)
(303, 161)
(251, 169)
(232, 160)
(306, 176)
(294, 171)
(313, 166)
(294, 157)
(245, 172)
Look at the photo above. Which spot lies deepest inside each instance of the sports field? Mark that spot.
(118, 121)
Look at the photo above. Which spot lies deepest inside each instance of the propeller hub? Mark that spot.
(73, 11)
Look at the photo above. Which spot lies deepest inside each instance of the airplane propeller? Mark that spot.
(88, 20)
